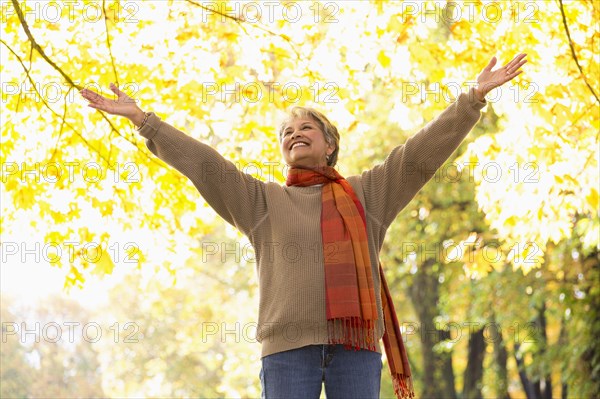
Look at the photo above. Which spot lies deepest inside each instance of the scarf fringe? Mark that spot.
(403, 386)
(353, 332)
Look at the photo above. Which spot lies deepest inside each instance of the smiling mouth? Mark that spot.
(298, 145)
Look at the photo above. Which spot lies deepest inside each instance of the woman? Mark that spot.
(324, 304)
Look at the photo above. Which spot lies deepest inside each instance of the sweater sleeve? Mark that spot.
(236, 196)
(390, 186)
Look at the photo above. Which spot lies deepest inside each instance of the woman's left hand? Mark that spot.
(488, 79)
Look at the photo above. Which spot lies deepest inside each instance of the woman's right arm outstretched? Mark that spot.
(237, 197)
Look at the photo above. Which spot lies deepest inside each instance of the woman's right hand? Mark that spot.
(122, 106)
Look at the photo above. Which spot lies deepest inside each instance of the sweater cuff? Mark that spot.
(151, 126)
(474, 101)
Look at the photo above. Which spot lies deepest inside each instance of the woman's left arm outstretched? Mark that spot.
(390, 186)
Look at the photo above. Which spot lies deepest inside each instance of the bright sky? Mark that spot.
(29, 277)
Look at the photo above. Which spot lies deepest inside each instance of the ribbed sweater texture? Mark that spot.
(283, 223)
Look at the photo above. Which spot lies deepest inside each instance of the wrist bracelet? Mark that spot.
(146, 114)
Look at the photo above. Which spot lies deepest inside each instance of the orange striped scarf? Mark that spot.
(350, 296)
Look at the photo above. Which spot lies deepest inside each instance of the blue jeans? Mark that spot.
(300, 373)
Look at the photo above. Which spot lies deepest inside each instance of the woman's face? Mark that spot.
(310, 154)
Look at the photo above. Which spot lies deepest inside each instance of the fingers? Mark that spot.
(514, 75)
(512, 71)
(511, 75)
(115, 89)
(517, 60)
(491, 64)
(514, 60)
(88, 94)
(95, 100)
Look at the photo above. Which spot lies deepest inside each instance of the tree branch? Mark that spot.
(564, 19)
(62, 126)
(48, 106)
(35, 44)
(38, 48)
(112, 59)
(239, 22)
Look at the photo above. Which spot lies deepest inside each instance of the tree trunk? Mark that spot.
(438, 374)
(501, 358)
(527, 385)
(474, 372)
(543, 386)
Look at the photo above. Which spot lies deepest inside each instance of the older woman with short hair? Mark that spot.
(324, 305)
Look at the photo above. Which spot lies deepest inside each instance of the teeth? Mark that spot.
(298, 144)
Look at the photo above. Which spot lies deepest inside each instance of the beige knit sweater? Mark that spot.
(283, 223)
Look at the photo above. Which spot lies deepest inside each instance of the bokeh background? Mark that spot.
(118, 280)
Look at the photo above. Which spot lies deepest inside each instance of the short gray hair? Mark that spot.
(330, 132)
